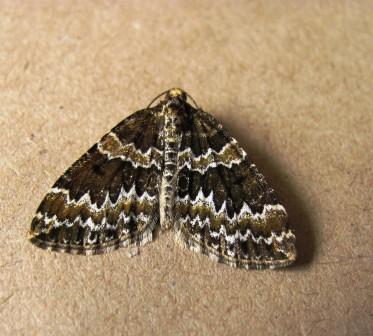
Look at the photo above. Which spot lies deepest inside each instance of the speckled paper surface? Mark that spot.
(292, 81)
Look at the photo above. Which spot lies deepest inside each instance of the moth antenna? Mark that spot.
(191, 98)
(159, 96)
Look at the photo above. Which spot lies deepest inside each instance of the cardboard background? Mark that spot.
(292, 81)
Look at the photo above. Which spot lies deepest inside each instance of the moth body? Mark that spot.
(171, 140)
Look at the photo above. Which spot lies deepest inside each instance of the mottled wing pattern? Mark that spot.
(224, 206)
(109, 197)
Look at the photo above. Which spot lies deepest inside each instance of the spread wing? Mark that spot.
(109, 197)
(224, 206)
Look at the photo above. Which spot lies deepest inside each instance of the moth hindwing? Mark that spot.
(171, 166)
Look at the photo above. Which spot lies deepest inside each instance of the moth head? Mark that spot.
(176, 94)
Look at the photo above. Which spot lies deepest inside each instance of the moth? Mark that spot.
(167, 167)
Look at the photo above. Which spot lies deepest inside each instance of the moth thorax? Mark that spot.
(169, 178)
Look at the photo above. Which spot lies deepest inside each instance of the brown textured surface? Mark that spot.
(292, 82)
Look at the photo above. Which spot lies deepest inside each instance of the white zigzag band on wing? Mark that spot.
(245, 212)
(90, 223)
(86, 199)
(189, 152)
(210, 156)
(150, 153)
(209, 201)
(230, 239)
